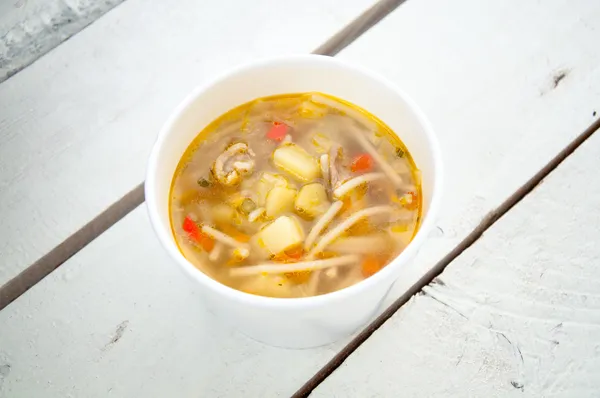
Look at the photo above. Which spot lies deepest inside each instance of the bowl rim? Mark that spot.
(168, 242)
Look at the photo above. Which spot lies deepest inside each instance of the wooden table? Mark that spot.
(503, 300)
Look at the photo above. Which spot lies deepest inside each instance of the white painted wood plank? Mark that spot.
(517, 314)
(120, 320)
(76, 127)
(31, 28)
(468, 117)
(484, 73)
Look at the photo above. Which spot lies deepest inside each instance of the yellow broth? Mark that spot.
(294, 195)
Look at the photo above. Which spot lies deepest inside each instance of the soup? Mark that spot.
(294, 195)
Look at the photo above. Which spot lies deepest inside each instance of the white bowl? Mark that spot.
(298, 322)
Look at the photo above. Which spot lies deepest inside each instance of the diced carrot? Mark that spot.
(192, 229)
(195, 233)
(289, 256)
(295, 253)
(277, 132)
(362, 162)
(280, 258)
(412, 202)
(371, 265)
(206, 242)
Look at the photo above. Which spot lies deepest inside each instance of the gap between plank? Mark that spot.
(113, 214)
(488, 221)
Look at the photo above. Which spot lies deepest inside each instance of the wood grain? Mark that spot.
(517, 314)
(31, 28)
(31, 275)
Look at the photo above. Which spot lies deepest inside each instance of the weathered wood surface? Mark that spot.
(516, 315)
(31, 28)
(500, 116)
(76, 127)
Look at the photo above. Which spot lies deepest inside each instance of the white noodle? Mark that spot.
(241, 253)
(333, 171)
(216, 252)
(355, 182)
(278, 268)
(255, 214)
(353, 113)
(385, 166)
(322, 223)
(287, 139)
(331, 272)
(225, 239)
(324, 161)
(313, 282)
(344, 225)
(362, 244)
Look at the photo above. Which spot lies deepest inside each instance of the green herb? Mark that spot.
(203, 182)
(399, 152)
(247, 206)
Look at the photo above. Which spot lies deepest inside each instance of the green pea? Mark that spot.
(203, 182)
(247, 206)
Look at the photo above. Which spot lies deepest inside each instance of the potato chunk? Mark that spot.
(266, 182)
(294, 160)
(282, 234)
(223, 214)
(312, 200)
(279, 200)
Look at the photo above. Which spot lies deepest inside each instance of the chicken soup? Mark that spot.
(294, 195)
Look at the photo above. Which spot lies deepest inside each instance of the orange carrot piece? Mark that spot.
(289, 256)
(413, 202)
(191, 228)
(206, 242)
(362, 162)
(277, 132)
(195, 233)
(295, 253)
(371, 265)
